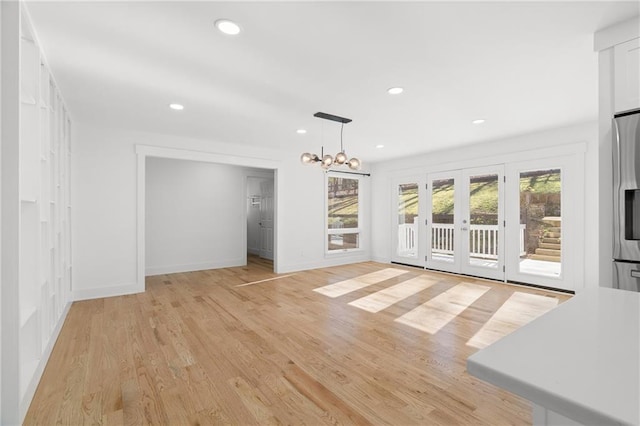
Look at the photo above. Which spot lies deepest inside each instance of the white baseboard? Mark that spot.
(35, 379)
(380, 259)
(96, 293)
(255, 251)
(174, 269)
(326, 263)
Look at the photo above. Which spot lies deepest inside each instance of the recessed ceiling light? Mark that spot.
(478, 121)
(301, 131)
(379, 146)
(176, 107)
(395, 90)
(228, 27)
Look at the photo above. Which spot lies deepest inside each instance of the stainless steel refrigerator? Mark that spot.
(626, 205)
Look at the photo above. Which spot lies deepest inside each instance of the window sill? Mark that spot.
(344, 251)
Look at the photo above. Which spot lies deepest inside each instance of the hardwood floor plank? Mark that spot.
(347, 286)
(203, 348)
(439, 311)
(390, 296)
(518, 310)
(255, 401)
(323, 397)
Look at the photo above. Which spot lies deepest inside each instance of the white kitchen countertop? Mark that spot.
(580, 360)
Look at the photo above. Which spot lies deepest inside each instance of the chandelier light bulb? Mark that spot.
(307, 158)
(341, 158)
(327, 161)
(354, 164)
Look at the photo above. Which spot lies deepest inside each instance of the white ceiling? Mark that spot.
(522, 66)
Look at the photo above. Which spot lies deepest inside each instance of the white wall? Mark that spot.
(10, 214)
(104, 199)
(192, 216)
(0, 211)
(494, 152)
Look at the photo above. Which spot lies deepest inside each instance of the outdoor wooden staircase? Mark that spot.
(550, 246)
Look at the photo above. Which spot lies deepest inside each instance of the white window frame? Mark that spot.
(342, 231)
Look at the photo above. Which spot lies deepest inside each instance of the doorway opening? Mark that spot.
(260, 215)
(235, 210)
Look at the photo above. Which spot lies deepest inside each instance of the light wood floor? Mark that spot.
(225, 347)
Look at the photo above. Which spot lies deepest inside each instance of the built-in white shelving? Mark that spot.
(44, 188)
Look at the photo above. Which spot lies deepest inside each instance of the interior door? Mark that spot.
(266, 219)
(482, 225)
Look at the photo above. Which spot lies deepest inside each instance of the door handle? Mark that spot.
(635, 274)
(464, 228)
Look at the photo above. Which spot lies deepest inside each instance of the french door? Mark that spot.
(408, 221)
(475, 222)
(465, 221)
(549, 237)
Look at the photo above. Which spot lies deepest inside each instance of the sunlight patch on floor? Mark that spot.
(439, 311)
(265, 280)
(384, 298)
(518, 310)
(343, 287)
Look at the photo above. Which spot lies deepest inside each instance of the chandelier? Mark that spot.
(326, 161)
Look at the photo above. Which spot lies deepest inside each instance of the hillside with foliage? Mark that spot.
(484, 192)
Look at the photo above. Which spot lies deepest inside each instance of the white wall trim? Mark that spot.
(144, 151)
(208, 157)
(172, 269)
(616, 34)
(35, 380)
(109, 291)
(491, 158)
(345, 259)
(381, 259)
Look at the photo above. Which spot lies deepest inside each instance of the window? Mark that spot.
(343, 213)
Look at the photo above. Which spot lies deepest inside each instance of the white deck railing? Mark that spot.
(407, 243)
(483, 240)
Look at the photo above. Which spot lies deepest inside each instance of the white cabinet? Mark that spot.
(627, 75)
(44, 279)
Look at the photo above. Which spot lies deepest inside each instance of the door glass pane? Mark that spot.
(407, 220)
(442, 219)
(540, 222)
(483, 225)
